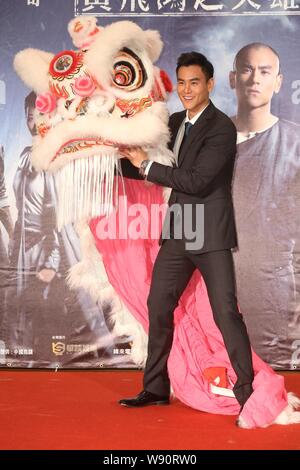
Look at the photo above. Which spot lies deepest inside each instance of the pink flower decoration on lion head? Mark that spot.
(84, 86)
(45, 103)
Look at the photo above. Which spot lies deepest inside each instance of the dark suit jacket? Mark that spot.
(203, 176)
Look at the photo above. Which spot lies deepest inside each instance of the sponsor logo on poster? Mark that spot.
(58, 348)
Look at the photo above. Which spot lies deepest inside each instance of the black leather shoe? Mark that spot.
(145, 399)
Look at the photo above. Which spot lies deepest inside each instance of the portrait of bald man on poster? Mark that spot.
(266, 192)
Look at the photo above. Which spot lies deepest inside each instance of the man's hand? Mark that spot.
(135, 154)
(46, 275)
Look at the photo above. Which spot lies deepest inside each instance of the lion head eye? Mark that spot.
(128, 71)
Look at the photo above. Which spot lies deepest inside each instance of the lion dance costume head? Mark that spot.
(90, 101)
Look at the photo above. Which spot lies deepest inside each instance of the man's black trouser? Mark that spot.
(172, 271)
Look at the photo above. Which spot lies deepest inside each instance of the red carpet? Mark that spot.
(79, 410)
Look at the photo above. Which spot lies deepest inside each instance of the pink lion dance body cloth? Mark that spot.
(106, 95)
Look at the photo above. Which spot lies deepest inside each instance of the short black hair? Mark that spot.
(30, 101)
(255, 45)
(196, 58)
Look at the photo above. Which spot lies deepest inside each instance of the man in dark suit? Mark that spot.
(204, 140)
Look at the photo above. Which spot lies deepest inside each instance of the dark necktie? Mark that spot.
(187, 127)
